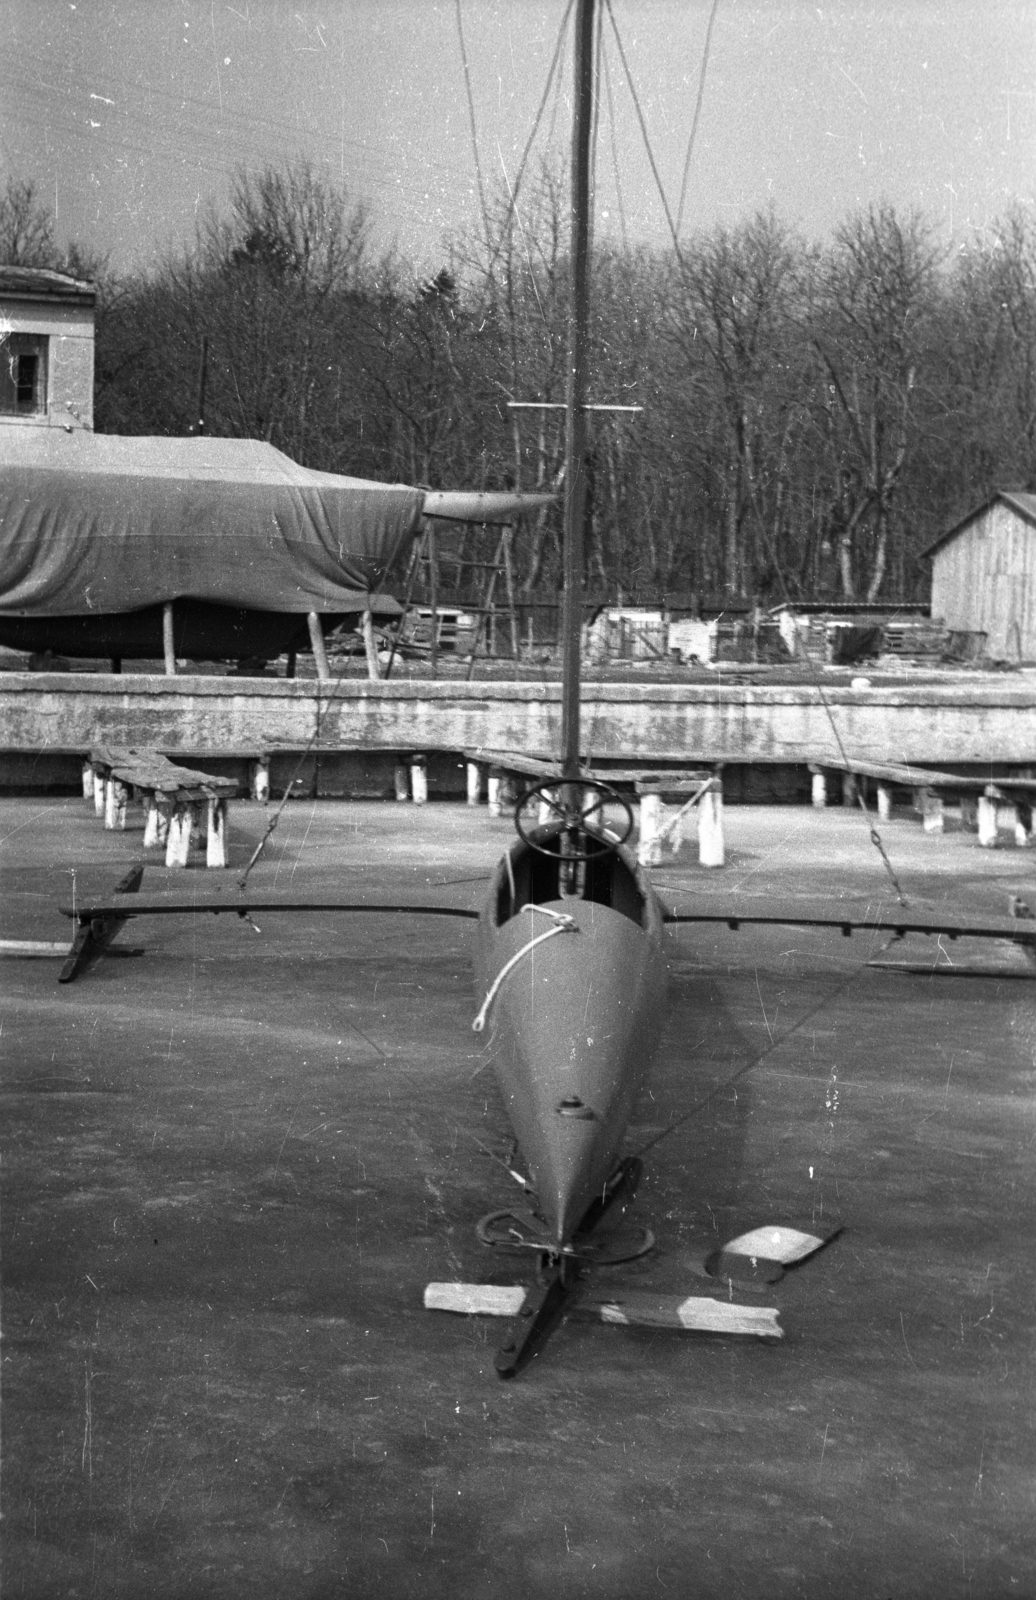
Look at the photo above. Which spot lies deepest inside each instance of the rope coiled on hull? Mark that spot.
(563, 923)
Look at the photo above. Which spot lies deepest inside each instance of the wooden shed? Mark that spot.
(984, 575)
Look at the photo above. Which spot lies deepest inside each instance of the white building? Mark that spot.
(46, 349)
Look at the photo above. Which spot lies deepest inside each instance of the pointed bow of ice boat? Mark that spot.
(575, 986)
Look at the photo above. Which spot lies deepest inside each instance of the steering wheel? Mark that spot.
(574, 818)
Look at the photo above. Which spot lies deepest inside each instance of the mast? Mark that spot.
(575, 400)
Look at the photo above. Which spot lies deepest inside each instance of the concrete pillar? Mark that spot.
(474, 783)
(216, 833)
(401, 779)
(88, 781)
(649, 846)
(884, 802)
(178, 843)
(931, 811)
(987, 822)
(100, 790)
(819, 789)
(260, 776)
(711, 851)
(419, 779)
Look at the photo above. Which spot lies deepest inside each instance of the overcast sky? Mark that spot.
(133, 115)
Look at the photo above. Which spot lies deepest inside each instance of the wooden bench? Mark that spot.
(173, 798)
(984, 804)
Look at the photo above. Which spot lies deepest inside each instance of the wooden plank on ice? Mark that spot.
(633, 1309)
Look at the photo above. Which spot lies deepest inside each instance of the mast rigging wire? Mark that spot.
(514, 188)
(471, 117)
(644, 131)
(697, 113)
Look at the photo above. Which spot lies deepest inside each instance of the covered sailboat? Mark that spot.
(99, 534)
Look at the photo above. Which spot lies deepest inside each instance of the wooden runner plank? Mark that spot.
(628, 1308)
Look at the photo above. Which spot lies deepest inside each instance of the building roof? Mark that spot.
(1018, 500)
(40, 283)
(849, 608)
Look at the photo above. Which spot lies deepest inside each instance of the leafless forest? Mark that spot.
(814, 414)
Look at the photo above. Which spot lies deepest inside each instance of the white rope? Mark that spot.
(562, 924)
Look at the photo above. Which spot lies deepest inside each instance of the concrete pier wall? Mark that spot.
(973, 720)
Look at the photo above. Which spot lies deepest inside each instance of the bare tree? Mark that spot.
(26, 228)
(879, 294)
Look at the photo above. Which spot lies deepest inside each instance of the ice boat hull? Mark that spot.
(575, 1024)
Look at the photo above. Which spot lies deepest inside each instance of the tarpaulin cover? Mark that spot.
(94, 523)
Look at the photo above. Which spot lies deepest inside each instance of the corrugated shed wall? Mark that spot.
(984, 581)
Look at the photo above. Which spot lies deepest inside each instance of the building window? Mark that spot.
(23, 374)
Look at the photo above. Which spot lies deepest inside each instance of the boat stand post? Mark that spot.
(168, 645)
(88, 780)
(819, 788)
(178, 842)
(164, 813)
(316, 639)
(932, 820)
(494, 787)
(401, 777)
(884, 802)
(216, 832)
(116, 797)
(99, 793)
(987, 822)
(1022, 824)
(969, 813)
(474, 783)
(711, 849)
(649, 847)
(370, 648)
(260, 779)
(151, 821)
(419, 779)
